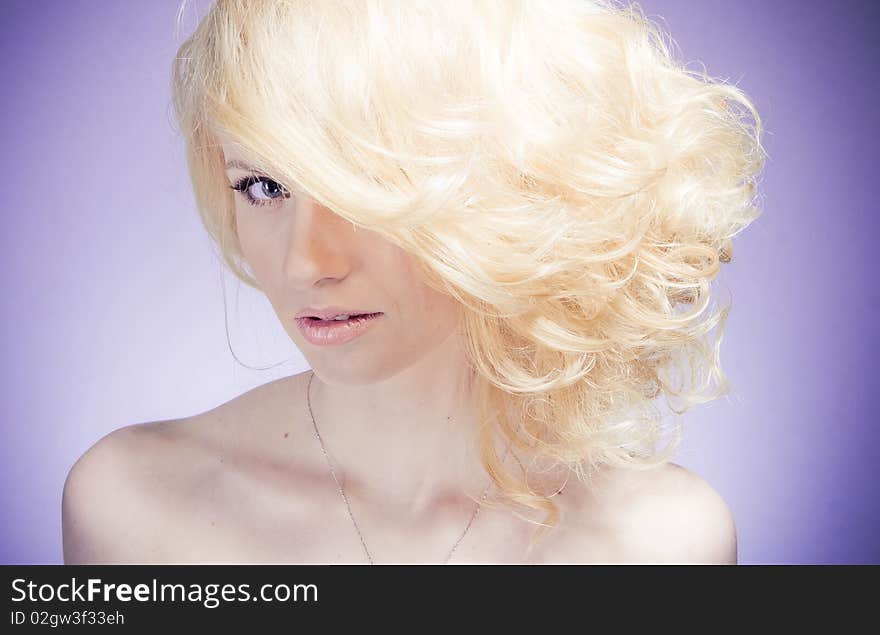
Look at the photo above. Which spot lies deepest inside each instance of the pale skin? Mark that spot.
(248, 482)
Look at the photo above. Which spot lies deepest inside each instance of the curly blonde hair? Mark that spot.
(549, 164)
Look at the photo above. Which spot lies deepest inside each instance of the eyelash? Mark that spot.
(243, 185)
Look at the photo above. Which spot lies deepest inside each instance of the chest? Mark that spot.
(267, 526)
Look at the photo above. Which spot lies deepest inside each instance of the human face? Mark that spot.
(304, 255)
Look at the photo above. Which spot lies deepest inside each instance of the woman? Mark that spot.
(491, 229)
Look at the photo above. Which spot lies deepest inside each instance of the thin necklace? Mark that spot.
(345, 499)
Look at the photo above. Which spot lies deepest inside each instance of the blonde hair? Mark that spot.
(549, 164)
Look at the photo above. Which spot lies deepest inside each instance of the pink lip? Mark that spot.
(330, 312)
(320, 332)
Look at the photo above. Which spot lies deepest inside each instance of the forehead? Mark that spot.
(230, 147)
(231, 152)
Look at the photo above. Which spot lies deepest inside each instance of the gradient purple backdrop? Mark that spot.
(114, 306)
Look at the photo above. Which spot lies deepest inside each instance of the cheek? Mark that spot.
(433, 315)
(256, 243)
(426, 312)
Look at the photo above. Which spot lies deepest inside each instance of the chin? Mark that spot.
(351, 370)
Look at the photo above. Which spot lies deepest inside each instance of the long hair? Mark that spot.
(551, 165)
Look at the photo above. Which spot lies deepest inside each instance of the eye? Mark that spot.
(260, 190)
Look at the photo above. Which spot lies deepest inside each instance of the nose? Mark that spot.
(317, 247)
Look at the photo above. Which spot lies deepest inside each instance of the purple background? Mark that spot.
(114, 307)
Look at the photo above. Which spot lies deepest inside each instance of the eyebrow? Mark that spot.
(235, 163)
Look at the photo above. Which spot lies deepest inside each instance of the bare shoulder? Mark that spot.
(103, 503)
(134, 487)
(667, 514)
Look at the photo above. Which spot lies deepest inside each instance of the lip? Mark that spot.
(330, 312)
(330, 333)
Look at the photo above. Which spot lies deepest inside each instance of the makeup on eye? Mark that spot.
(267, 187)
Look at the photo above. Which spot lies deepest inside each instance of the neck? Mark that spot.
(407, 440)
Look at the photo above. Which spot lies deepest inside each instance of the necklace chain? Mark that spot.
(345, 498)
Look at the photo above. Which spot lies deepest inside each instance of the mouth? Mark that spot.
(348, 327)
(342, 318)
